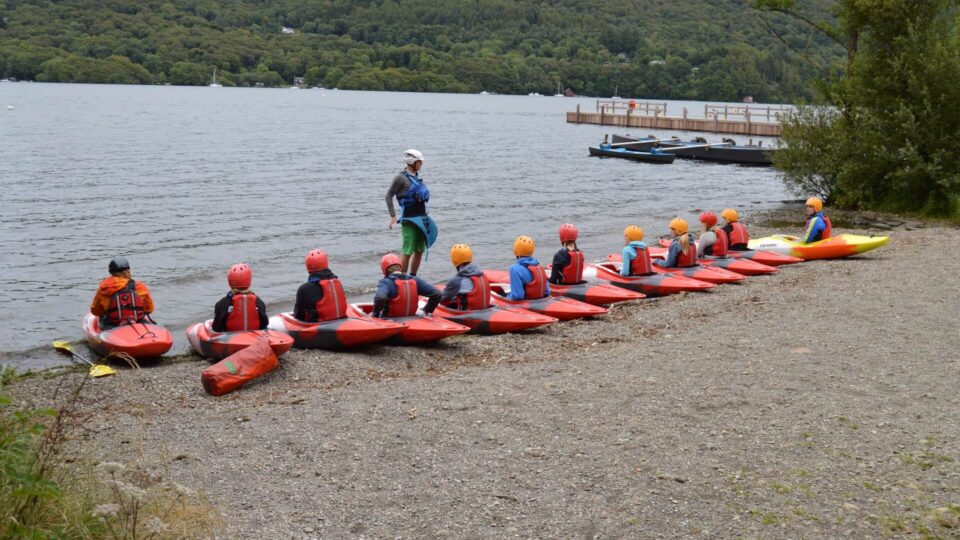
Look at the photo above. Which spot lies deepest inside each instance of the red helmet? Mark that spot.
(389, 260)
(708, 218)
(239, 276)
(568, 233)
(317, 260)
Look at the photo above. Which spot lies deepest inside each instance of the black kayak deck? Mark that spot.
(633, 155)
(744, 155)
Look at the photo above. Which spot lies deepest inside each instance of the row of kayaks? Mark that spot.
(654, 150)
(603, 285)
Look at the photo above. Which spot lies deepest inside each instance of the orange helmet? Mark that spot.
(523, 246)
(317, 260)
(730, 215)
(460, 254)
(633, 233)
(568, 233)
(816, 203)
(388, 260)
(679, 225)
(239, 276)
(708, 218)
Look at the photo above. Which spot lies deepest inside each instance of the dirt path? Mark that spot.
(820, 402)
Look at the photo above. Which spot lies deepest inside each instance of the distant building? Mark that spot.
(287, 30)
(298, 81)
(657, 62)
(748, 99)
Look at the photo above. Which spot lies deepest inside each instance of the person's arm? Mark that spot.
(262, 312)
(220, 313)
(144, 293)
(381, 299)
(560, 261)
(299, 305)
(707, 239)
(428, 290)
(626, 259)
(395, 188)
(814, 228)
(671, 259)
(518, 281)
(451, 289)
(96, 307)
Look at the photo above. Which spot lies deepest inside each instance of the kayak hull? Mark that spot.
(632, 155)
(495, 319)
(139, 340)
(558, 307)
(744, 267)
(836, 247)
(656, 284)
(350, 331)
(417, 329)
(219, 345)
(710, 274)
(768, 258)
(597, 294)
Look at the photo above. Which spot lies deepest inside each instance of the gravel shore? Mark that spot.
(822, 401)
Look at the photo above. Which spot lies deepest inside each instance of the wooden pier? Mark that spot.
(762, 121)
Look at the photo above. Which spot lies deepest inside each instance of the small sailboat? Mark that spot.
(616, 90)
(559, 93)
(215, 84)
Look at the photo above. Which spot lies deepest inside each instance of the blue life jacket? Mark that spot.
(417, 194)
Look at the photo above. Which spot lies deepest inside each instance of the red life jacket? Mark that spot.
(537, 288)
(243, 314)
(828, 229)
(407, 301)
(573, 273)
(719, 248)
(333, 305)
(479, 297)
(641, 265)
(126, 306)
(689, 258)
(738, 236)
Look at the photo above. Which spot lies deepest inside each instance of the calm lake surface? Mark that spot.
(186, 181)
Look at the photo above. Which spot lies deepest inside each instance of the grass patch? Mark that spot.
(925, 460)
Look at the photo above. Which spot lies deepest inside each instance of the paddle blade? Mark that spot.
(101, 370)
(63, 346)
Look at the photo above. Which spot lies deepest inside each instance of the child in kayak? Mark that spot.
(635, 259)
(120, 299)
(737, 235)
(240, 310)
(712, 241)
(528, 280)
(682, 252)
(818, 226)
(469, 289)
(398, 293)
(567, 266)
(321, 298)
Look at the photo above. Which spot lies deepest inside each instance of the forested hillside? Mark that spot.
(689, 49)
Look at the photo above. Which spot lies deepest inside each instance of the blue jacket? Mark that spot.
(628, 254)
(387, 289)
(673, 253)
(520, 277)
(815, 227)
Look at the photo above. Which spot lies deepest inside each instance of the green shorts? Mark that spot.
(413, 239)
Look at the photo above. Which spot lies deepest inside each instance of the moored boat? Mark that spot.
(139, 340)
(655, 284)
(595, 293)
(633, 155)
(700, 149)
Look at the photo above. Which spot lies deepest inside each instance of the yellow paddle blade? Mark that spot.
(101, 370)
(63, 346)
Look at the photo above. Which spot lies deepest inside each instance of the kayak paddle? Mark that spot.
(96, 370)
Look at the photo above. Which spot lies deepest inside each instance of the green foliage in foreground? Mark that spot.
(886, 132)
(695, 49)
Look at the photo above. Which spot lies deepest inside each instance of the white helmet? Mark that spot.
(412, 156)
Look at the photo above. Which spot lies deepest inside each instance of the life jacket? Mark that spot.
(333, 305)
(828, 228)
(126, 306)
(407, 301)
(573, 273)
(719, 248)
(641, 265)
(479, 297)
(689, 258)
(243, 315)
(537, 288)
(414, 201)
(739, 237)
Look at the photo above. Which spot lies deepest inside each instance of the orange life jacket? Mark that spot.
(537, 288)
(720, 247)
(689, 258)
(243, 314)
(573, 273)
(641, 265)
(333, 305)
(479, 297)
(739, 237)
(828, 228)
(407, 301)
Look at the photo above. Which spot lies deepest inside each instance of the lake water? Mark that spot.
(186, 181)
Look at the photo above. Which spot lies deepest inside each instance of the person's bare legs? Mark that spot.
(405, 262)
(415, 262)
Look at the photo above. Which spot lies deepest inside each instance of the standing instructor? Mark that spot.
(419, 230)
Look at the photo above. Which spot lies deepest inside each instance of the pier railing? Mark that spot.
(757, 120)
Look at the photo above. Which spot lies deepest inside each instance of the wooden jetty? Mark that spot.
(762, 121)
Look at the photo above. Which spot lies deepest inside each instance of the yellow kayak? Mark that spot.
(835, 247)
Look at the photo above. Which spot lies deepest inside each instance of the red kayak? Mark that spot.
(768, 258)
(219, 345)
(709, 274)
(559, 307)
(348, 331)
(494, 319)
(597, 294)
(656, 284)
(417, 328)
(743, 267)
(139, 340)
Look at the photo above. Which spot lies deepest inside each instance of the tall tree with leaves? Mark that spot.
(885, 131)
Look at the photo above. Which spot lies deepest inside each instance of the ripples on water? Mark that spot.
(187, 181)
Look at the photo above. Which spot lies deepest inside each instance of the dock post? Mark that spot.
(578, 114)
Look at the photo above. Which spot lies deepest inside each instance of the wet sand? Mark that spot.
(818, 402)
